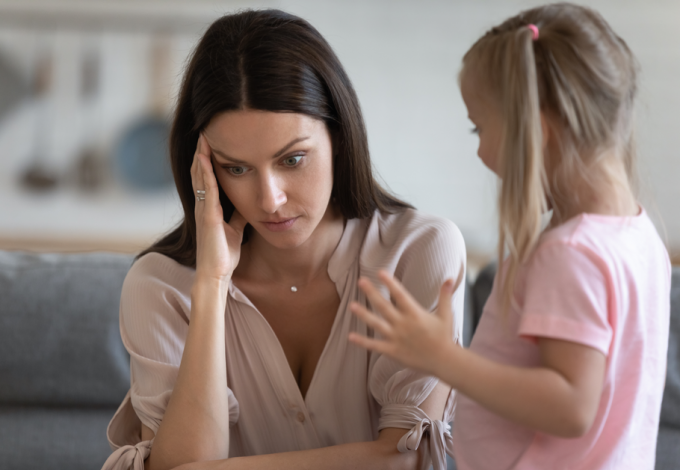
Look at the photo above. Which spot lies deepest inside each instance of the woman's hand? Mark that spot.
(218, 244)
(410, 334)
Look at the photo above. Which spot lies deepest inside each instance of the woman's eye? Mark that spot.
(292, 161)
(236, 170)
(474, 130)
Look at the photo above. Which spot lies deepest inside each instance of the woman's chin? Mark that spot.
(284, 240)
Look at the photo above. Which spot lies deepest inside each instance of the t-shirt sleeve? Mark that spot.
(566, 297)
(428, 256)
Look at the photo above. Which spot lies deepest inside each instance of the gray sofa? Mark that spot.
(64, 370)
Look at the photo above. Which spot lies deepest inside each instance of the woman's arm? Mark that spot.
(379, 454)
(196, 422)
(195, 426)
(559, 397)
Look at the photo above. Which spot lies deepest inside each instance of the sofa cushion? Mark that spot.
(59, 335)
(54, 438)
(667, 449)
(670, 409)
(468, 315)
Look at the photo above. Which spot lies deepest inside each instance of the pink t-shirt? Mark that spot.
(603, 282)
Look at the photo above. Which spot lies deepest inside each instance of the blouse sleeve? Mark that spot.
(155, 308)
(422, 252)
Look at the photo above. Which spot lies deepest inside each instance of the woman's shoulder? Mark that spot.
(412, 240)
(412, 227)
(154, 274)
(158, 266)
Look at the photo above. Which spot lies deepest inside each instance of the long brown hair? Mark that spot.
(582, 75)
(269, 60)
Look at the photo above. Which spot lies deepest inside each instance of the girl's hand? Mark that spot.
(410, 334)
(218, 244)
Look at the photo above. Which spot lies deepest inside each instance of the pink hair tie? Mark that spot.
(534, 30)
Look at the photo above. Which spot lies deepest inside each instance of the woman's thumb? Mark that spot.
(237, 222)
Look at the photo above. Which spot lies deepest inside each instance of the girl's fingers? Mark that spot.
(404, 301)
(372, 320)
(380, 303)
(369, 343)
(444, 308)
(460, 278)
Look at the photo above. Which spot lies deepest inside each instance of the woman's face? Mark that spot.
(277, 170)
(487, 119)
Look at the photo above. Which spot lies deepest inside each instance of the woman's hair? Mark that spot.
(582, 76)
(269, 60)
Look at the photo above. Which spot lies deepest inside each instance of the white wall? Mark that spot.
(403, 58)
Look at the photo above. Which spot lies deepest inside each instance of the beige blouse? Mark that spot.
(353, 393)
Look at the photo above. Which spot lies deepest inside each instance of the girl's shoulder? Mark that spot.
(606, 241)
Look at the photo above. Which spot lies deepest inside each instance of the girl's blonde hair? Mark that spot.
(582, 76)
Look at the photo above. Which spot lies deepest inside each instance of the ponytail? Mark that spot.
(522, 196)
(565, 61)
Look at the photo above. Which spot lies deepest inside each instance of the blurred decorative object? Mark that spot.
(13, 87)
(39, 176)
(90, 170)
(142, 156)
(90, 166)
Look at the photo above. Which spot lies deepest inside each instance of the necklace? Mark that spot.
(293, 289)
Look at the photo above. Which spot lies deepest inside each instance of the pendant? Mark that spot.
(293, 289)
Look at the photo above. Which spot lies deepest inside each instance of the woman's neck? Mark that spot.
(605, 191)
(295, 266)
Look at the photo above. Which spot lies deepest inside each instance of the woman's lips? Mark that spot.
(281, 226)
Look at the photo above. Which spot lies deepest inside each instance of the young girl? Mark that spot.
(567, 367)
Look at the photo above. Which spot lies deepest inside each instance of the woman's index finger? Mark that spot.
(203, 146)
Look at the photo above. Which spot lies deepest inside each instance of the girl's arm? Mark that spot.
(558, 397)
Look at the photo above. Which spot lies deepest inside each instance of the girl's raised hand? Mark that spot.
(218, 244)
(408, 333)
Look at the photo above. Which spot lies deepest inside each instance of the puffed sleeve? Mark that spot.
(155, 308)
(422, 252)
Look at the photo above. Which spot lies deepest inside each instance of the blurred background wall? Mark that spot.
(87, 87)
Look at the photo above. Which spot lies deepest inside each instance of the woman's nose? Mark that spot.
(272, 195)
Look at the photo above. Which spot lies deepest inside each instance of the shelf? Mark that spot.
(143, 16)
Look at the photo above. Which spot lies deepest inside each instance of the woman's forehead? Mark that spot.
(243, 133)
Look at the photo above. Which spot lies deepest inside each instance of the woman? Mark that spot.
(237, 331)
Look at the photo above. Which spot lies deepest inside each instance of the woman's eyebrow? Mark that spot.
(289, 145)
(276, 155)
